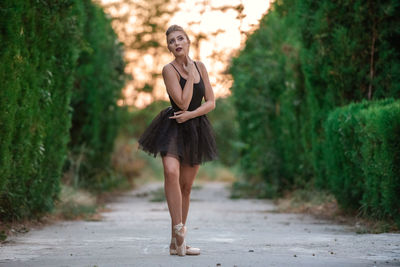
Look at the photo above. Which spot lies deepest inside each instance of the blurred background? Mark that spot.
(307, 107)
(218, 30)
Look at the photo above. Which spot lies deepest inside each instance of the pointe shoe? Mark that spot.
(181, 250)
(189, 250)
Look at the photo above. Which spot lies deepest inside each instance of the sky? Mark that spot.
(226, 35)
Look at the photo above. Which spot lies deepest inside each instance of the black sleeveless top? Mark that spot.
(198, 91)
(192, 142)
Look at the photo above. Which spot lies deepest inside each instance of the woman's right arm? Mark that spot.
(181, 97)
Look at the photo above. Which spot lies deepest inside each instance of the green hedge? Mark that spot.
(99, 77)
(38, 53)
(362, 155)
(349, 53)
(41, 43)
(306, 59)
(268, 92)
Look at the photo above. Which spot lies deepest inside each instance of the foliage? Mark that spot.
(362, 155)
(223, 121)
(306, 59)
(141, 25)
(41, 42)
(96, 118)
(349, 54)
(268, 92)
(34, 101)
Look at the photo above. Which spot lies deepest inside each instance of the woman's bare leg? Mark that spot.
(186, 178)
(173, 191)
(187, 175)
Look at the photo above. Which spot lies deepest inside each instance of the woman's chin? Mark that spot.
(179, 54)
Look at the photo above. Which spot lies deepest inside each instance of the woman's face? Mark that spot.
(178, 44)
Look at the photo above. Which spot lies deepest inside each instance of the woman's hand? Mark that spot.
(189, 67)
(182, 116)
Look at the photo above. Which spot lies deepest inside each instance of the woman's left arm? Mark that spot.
(207, 106)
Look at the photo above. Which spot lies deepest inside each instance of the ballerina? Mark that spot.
(182, 133)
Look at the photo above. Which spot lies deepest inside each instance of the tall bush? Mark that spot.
(349, 53)
(96, 118)
(38, 53)
(268, 92)
(43, 48)
(362, 155)
(306, 59)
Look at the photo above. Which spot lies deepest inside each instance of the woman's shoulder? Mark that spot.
(201, 65)
(167, 69)
(167, 66)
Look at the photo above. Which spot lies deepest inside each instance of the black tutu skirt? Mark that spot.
(192, 142)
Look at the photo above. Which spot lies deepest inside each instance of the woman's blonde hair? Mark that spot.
(175, 28)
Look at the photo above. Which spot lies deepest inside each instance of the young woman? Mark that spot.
(182, 133)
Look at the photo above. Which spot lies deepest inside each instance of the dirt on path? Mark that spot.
(238, 232)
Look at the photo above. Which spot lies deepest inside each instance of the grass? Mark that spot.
(73, 204)
(318, 203)
(323, 205)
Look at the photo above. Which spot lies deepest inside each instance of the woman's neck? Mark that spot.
(181, 60)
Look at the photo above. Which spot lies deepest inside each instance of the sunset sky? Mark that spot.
(225, 32)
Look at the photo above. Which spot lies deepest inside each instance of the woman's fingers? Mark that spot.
(189, 68)
(177, 117)
(176, 114)
(187, 64)
(187, 59)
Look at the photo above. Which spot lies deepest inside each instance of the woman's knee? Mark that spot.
(171, 168)
(171, 173)
(186, 189)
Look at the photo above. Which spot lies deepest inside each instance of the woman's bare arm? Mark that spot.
(209, 104)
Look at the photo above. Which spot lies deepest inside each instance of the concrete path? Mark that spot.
(229, 232)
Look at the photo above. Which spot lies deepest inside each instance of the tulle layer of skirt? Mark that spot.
(192, 142)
